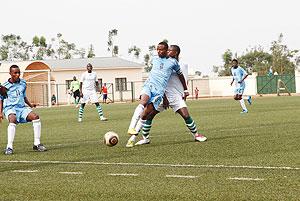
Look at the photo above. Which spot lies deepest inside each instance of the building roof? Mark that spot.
(97, 62)
(76, 64)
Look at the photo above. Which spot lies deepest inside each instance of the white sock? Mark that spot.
(136, 115)
(140, 125)
(242, 102)
(132, 137)
(11, 131)
(36, 131)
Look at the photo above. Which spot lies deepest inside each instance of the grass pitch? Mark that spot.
(255, 156)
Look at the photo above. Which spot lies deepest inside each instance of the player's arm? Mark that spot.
(165, 102)
(80, 88)
(243, 78)
(232, 82)
(1, 109)
(97, 86)
(183, 82)
(28, 103)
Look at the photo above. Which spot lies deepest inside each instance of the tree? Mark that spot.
(148, 58)
(135, 50)
(110, 43)
(227, 58)
(13, 48)
(282, 56)
(91, 53)
(40, 48)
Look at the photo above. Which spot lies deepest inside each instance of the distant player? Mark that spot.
(104, 92)
(15, 111)
(88, 92)
(174, 95)
(75, 89)
(196, 93)
(239, 76)
(153, 89)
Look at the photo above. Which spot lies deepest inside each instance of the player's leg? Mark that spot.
(84, 100)
(190, 124)
(100, 112)
(148, 109)
(11, 131)
(30, 116)
(137, 112)
(146, 128)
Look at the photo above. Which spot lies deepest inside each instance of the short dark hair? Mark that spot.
(177, 48)
(164, 44)
(235, 60)
(13, 66)
(89, 65)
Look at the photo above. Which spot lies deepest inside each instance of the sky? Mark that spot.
(203, 29)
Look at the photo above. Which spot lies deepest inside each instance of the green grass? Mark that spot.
(267, 136)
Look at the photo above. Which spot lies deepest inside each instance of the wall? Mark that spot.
(297, 79)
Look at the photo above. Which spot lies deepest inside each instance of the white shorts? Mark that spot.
(175, 102)
(89, 96)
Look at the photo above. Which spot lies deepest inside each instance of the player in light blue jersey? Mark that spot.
(14, 109)
(154, 88)
(239, 76)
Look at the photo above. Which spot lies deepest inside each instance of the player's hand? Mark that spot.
(81, 94)
(166, 103)
(33, 105)
(1, 117)
(186, 94)
(231, 83)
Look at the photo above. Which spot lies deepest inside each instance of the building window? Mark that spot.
(121, 84)
(68, 84)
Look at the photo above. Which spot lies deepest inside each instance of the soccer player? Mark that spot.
(104, 92)
(74, 88)
(239, 76)
(13, 106)
(88, 88)
(174, 97)
(153, 89)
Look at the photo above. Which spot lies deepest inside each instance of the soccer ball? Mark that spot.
(111, 138)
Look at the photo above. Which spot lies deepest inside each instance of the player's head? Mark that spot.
(14, 72)
(174, 51)
(235, 63)
(162, 49)
(89, 67)
(74, 78)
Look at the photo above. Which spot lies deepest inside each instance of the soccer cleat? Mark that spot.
(130, 143)
(79, 119)
(143, 141)
(8, 151)
(250, 100)
(103, 119)
(244, 111)
(200, 138)
(39, 148)
(132, 131)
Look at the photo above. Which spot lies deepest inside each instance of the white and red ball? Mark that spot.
(111, 138)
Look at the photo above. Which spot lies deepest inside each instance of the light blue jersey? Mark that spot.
(157, 81)
(238, 74)
(14, 103)
(161, 71)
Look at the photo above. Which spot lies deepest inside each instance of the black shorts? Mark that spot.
(76, 93)
(104, 96)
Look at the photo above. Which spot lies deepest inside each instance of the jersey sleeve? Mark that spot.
(176, 67)
(25, 87)
(244, 73)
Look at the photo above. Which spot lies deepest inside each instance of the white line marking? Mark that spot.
(158, 165)
(25, 171)
(245, 179)
(182, 176)
(125, 174)
(70, 173)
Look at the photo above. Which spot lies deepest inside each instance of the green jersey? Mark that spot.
(75, 85)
